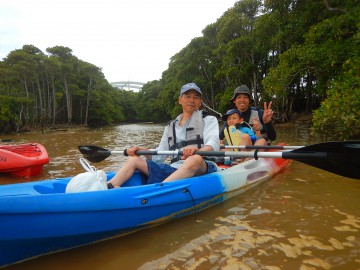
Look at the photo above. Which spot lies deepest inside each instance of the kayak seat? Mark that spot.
(50, 188)
(138, 179)
(59, 187)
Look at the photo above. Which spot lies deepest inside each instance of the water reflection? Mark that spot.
(287, 223)
(303, 218)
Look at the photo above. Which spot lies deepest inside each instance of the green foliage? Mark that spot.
(338, 118)
(301, 54)
(147, 100)
(225, 103)
(104, 108)
(310, 71)
(11, 112)
(5, 112)
(126, 100)
(239, 45)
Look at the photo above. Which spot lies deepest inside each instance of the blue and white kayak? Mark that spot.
(37, 218)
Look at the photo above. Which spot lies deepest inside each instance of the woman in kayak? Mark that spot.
(191, 131)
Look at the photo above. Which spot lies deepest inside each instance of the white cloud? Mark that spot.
(128, 39)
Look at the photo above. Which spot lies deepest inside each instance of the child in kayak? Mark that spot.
(237, 134)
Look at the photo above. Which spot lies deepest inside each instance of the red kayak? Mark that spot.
(23, 160)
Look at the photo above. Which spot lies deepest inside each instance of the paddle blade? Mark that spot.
(342, 158)
(94, 153)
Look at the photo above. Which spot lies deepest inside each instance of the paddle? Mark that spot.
(341, 158)
(253, 147)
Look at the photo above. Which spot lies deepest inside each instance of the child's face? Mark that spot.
(233, 119)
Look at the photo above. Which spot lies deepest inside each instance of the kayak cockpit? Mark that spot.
(59, 186)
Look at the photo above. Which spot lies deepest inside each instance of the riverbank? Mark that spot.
(303, 119)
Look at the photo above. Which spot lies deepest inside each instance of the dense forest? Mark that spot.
(301, 54)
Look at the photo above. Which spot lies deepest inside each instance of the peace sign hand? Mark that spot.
(268, 113)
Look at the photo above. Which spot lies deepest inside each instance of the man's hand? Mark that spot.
(268, 113)
(188, 151)
(131, 151)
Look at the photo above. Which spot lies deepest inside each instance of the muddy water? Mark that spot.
(303, 218)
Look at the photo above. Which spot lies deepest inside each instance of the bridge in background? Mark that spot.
(128, 85)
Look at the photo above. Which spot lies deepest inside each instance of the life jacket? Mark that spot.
(232, 136)
(194, 132)
(255, 113)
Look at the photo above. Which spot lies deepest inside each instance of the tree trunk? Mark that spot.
(88, 96)
(308, 93)
(26, 116)
(68, 101)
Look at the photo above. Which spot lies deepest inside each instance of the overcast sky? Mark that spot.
(128, 39)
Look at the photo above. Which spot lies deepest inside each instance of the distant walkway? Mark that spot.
(128, 85)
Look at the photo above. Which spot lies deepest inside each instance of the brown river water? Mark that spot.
(303, 218)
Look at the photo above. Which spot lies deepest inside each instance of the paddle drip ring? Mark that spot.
(256, 154)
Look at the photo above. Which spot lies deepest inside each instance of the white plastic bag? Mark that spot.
(91, 180)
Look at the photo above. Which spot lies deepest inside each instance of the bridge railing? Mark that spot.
(128, 85)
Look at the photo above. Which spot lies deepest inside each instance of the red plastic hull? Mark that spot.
(279, 163)
(23, 160)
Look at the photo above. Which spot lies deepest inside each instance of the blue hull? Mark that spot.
(38, 218)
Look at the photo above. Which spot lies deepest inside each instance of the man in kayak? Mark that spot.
(242, 98)
(191, 131)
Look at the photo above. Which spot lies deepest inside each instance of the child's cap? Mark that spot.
(229, 112)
